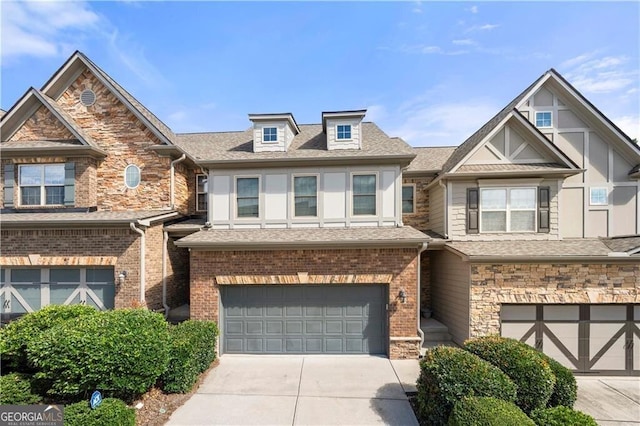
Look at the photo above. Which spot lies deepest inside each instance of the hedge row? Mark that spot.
(15, 389)
(110, 412)
(487, 411)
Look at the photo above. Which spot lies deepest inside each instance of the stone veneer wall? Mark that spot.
(494, 284)
(400, 263)
(419, 219)
(42, 125)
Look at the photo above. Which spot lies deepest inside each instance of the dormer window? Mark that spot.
(543, 119)
(343, 132)
(269, 134)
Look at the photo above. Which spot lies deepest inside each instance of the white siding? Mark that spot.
(436, 210)
(450, 282)
(277, 198)
(333, 143)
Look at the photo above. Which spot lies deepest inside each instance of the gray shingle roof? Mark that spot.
(530, 250)
(307, 237)
(623, 244)
(186, 225)
(310, 143)
(430, 159)
(511, 167)
(96, 217)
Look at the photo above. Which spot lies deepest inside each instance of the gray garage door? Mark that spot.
(296, 319)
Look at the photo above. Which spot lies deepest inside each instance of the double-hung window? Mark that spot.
(42, 184)
(248, 197)
(305, 190)
(343, 131)
(364, 195)
(507, 209)
(201, 193)
(408, 198)
(269, 134)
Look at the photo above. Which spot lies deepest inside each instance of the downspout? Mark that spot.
(422, 248)
(173, 179)
(445, 213)
(165, 240)
(142, 261)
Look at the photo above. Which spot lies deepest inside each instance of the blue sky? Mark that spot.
(430, 72)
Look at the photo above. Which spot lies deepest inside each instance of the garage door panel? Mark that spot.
(518, 331)
(605, 354)
(315, 319)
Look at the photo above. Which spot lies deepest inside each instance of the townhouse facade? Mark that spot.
(330, 237)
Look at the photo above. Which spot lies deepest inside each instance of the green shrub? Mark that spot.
(121, 352)
(560, 416)
(565, 390)
(15, 389)
(487, 411)
(523, 364)
(192, 350)
(448, 374)
(15, 337)
(111, 412)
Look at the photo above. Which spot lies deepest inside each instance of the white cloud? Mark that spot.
(421, 123)
(464, 42)
(485, 27)
(376, 113)
(629, 124)
(592, 73)
(473, 9)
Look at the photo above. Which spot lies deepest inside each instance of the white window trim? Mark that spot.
(293, 194)
(124, 176)
(376, 193)
(43, 193)
(198, 193)
(235, 197)
(413, 209)
(269, 127)
(550, 121)
(350, 132)
(508, 210)
(606, 191)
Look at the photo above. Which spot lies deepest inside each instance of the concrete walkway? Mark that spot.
(302, 390)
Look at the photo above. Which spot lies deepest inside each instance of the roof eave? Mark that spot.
(279, 162)
(294, 245)
(514, 173)
(81, 150)
(555, 259)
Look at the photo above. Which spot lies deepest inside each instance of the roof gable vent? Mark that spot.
(88, 97)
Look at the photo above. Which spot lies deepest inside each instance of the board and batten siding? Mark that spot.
(436, 210)
(450, 281)
(276, 198)
(606, 163)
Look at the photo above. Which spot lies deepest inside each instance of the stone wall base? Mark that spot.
(400, 348)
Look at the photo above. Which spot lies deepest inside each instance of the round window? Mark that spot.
(132, 176)
(87, 97)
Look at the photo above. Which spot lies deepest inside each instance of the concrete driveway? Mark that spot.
(301, 390)
(610, 400)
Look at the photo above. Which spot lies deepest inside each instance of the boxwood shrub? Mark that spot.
(15, 389)
(523, 364)
(110, 412)
(560, 416)
(487, 411)
(121, 353)
(447, 374)
(191, 351)
(565, 390)
(15, 337)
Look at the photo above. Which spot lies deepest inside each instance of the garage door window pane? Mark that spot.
(608, 313)
(100, 275)
(561, 313)
(64, 276)
(25, 275)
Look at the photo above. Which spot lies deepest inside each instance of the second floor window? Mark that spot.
(407, 198)
(42, 184)
(508, 210)
(364, 195)
(132, 176)
(343, 131)
(269, 134)
(543, 119)
(305, 189)
(248, 197)
(201, 193)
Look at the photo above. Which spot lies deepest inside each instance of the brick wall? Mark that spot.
(400, 263)
(425, 281)
(419, 219)
(494, 284)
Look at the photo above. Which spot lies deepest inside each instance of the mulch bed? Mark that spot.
(158, 406)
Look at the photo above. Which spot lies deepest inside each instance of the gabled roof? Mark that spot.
(75, 65)
(83, 219)
(236, 148)
(429, 159)
(28, 104)
(2, 113)
(624, 244)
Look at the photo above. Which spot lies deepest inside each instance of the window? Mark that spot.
(42, 184)
(201, 193)
(269, 134)
(343, 131)
(132, 176)
(364, 195)
(305, 190)
(598, 197)
(508, 209)
(247, 197)
(543, 119)
(407, 198)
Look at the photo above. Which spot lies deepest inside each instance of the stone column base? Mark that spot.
(404, 348)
